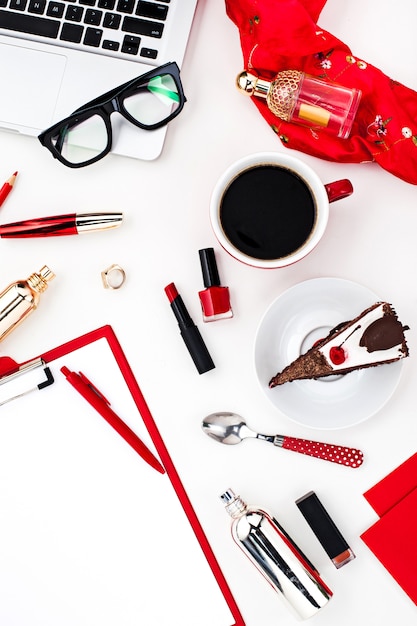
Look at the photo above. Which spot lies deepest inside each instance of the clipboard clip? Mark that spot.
(24, 380)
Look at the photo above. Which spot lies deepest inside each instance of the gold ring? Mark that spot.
(113, 277)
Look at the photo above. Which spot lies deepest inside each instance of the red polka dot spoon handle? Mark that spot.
(326, 451)
(231, 428)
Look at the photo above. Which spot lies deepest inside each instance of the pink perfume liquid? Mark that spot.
(319, 104)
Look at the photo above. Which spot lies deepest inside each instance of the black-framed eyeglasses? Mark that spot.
(148, 101)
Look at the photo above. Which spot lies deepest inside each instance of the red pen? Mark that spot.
(102, 405)
(7, 187)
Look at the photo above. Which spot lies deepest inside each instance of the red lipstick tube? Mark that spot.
(189, 332)
(56, 225)
(215, 299)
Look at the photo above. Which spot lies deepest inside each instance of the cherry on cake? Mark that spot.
(375, 337)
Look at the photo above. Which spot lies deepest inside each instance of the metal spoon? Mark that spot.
(230, 428)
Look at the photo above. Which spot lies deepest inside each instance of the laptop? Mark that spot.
(56, 55)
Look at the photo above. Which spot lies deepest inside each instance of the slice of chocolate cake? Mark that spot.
(373, 338)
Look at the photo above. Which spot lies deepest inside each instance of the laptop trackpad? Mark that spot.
(33, 82)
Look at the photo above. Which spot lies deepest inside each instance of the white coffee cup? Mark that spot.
(270, 209)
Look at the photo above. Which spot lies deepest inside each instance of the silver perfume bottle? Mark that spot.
(277, 557)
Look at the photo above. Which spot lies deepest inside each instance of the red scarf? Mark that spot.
(283, 34)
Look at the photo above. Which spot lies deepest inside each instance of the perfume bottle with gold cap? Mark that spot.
(20, 298)
(296, 97)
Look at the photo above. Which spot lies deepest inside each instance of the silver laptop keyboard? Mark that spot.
(128, 28)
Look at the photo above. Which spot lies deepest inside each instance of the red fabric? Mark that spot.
(284, 34)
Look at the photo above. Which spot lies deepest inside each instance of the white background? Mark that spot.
(370, 240)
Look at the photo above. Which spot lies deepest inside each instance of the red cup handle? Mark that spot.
(339, 189)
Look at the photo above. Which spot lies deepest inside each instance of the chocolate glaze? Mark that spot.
(382, 334)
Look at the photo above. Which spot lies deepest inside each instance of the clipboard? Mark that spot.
(90, 534)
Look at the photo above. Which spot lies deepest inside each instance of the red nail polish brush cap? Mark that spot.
(209, 268)
(215, 299)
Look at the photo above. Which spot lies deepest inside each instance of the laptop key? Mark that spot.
(71, 32)
(37, 6)
(108, 44)
(152, 10)
(112, 20)
(130, 44)
(149, 53)
(18, 5)
(125, 6)
(142, 27)
(55, 9)
(74, 13)
(93, 37)
(106, 4)
(30, 24)
(93, 17)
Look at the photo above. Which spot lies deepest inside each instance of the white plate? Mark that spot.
(290, 326)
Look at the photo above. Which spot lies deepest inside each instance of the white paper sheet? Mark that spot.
(90, 534)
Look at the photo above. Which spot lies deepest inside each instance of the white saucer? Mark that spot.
(290, 326)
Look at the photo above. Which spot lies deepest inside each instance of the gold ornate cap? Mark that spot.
(279, 93)
(283, 93)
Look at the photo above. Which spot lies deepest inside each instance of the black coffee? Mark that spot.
(267, 212)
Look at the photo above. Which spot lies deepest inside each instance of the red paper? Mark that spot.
(394, 487)
(285, 34)
(393, 540)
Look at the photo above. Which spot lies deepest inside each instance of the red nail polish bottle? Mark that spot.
(215, 299)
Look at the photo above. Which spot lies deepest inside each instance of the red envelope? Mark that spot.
(394, 487)
(393, 538)
(393, 541)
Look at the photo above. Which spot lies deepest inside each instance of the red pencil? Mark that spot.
(7, 187)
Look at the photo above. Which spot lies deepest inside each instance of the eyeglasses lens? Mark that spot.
(154, 101)
(82, 141)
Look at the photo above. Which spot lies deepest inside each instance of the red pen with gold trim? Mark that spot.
(7, 187)
(96, 399)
